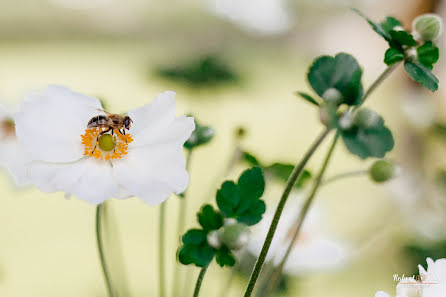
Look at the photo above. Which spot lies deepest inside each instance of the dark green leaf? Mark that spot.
(341, 72)
(428, 54)
(250, 158)
(228, 198)
(374, 141)
(308, 98)
(254, 214)
(389, 23)
(251, 185)
(209, 218)
(283, 171)
(402, 37)
(194, 236)
(200, 255)
(378, 28)
(421, 74)
(393, 56)
(224, 257)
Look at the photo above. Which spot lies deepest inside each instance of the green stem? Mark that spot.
(161, 272)
(200, 280)
(297, 172)
(344, 175)
(274, 280)
(180, 229)
(105, 271)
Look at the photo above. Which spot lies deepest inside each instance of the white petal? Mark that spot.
(14, 157)
(152, 173)
(88, 179)
(50, 124)
(381, 294)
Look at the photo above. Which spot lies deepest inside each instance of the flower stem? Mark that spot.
(344, 175)
(275, 278)
(105, 271)
(161, 272)
(182, 210)
(200, 280)
(297, 172)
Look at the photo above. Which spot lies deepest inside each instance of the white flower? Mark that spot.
(12, 155)
(268, 17)
(432, 282)
(314, 250)
(146, 162)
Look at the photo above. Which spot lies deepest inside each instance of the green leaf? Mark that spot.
(200, 255)
(393, 56)
(421, 74)
(428, 54)
(389, 23)
(228, 198)
(378, 28)
(283, 171)
(250, 158)
(254, 214)
(201, 135)
(224, 257)
(402, 37)
(308, 98)
(251, 185)
(194, 236)
(341, 72)
(374, 141)
(209, 218)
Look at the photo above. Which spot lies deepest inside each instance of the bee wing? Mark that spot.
(106, 112)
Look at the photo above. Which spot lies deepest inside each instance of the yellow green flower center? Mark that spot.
(106, 142)
(105, 146)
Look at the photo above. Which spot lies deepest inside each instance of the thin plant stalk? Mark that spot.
(275, 278)
(200, 280)
(161, 272)
(105, 271)
(355, 173)
(180, 229)
(295, 174)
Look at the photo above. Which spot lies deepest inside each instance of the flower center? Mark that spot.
(105, 145)
(8, 127)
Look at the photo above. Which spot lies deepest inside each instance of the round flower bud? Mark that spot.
(332, 95)
(234, 236)
(366, 118)
(229, 221)
(240, 132)
(382, 171)
(346, 121)
(427, 27)
(106, 142)
(324, 116)
(213, 239)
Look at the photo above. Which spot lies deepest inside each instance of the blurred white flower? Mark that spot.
(95, 165)
(12, 155)
(314, 250)
(268, 17)
(432, 282)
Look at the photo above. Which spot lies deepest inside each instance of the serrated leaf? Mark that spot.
(250, 158)
(428, 54)
(374, 141)
(209, 218)
(402, 37)
(228, 198)
(341, 72)
(283, 171)
(194, 236)
(200, 255)
(421, 74)
(308, 98)
(393, 56)
(224, 257)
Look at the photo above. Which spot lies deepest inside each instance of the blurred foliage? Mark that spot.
(418, 253)
(207, 71)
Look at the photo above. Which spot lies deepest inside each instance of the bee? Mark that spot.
(111, 122)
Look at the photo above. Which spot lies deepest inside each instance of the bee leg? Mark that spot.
(105, 131)
(123, 133)
(97, 140)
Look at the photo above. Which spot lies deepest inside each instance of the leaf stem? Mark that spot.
(200, 280)
(295, 174)
(182, 210)
(274, 280)
(161, 272)
(99, 210)
(344, 175)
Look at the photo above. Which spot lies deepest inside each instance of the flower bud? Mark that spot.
(213, 239)
(382, 171)
(234, 236)
(346, 121)
(332, 95)
(366, 118)
(106, 142)
(427, 27)
(229, 221)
